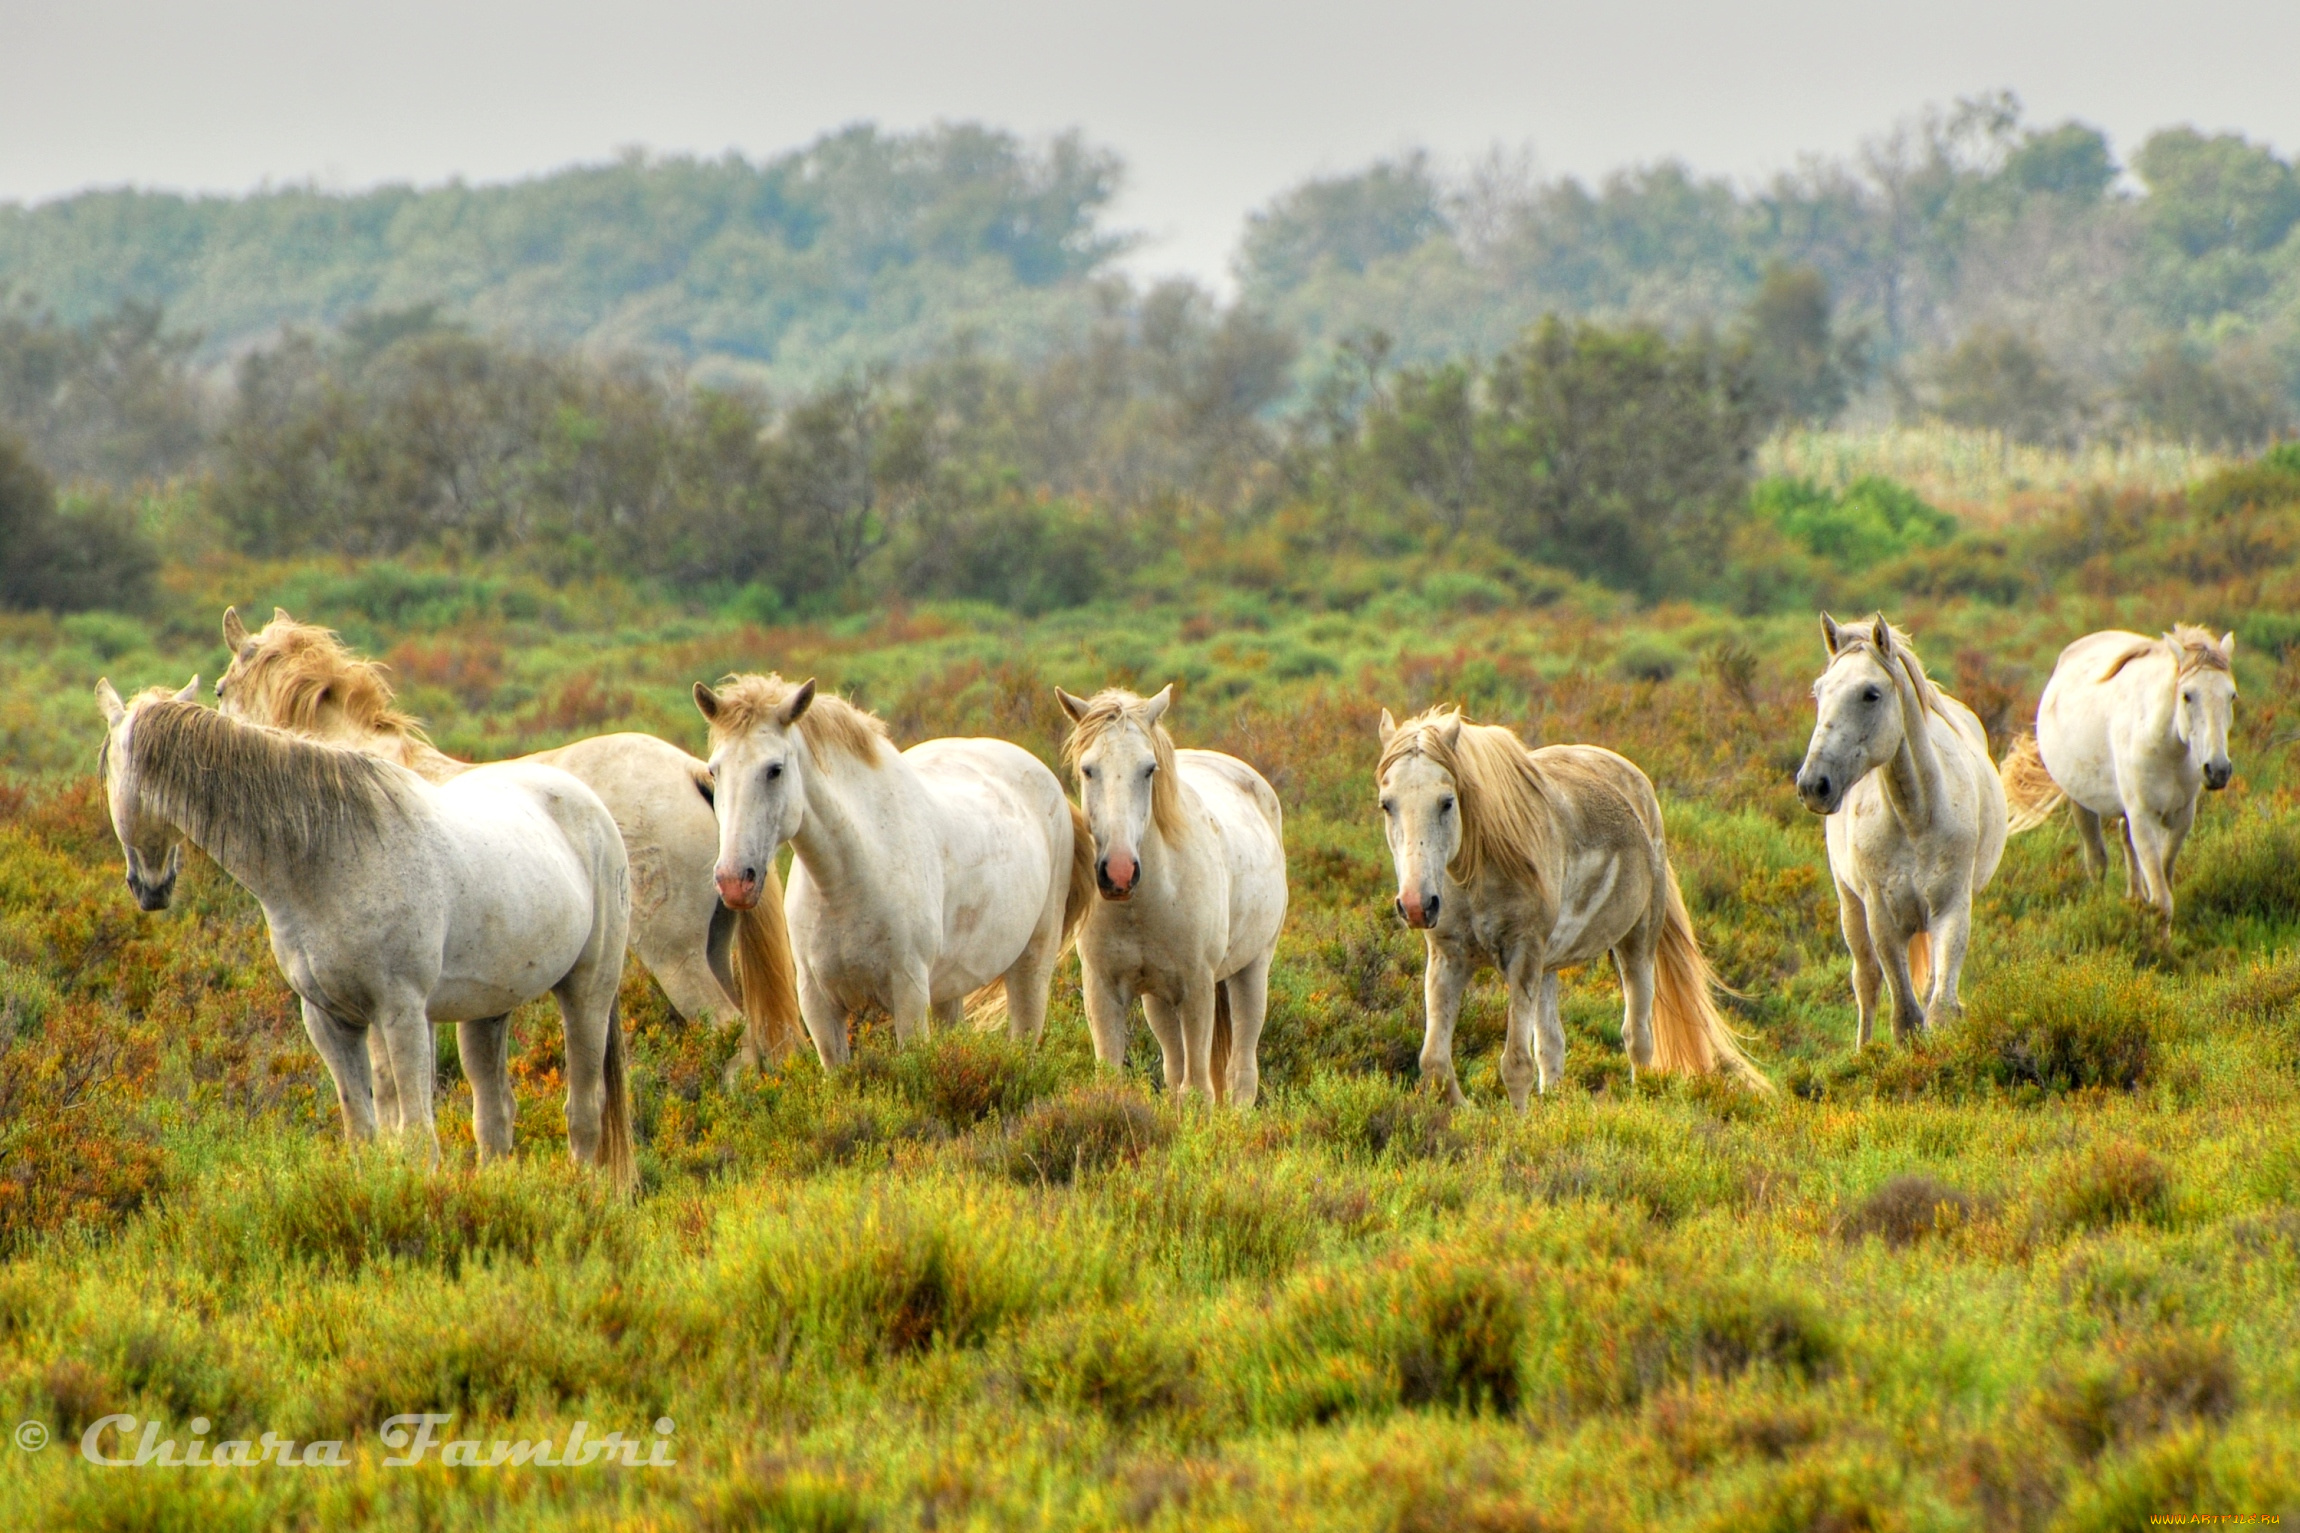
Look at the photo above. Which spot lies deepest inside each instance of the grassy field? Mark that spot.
(2043, 1271)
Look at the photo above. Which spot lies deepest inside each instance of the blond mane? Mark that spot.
(2190, 647)
(244, 791)
(1508, 814)
(830, 724)
(1851, 637)
(1110, 706)
(294, 673)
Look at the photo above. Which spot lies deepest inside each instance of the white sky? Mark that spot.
(1214, 105)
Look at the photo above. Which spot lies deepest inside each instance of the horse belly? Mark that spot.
(1256, 861)
(521, 912)
(1606, 893)
(998, 867)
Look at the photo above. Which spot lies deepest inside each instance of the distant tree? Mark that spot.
(2219, 402)
(1996, 379)
(2216, 209)
(95, 557)
(1347, 222)
(113, 399)
(1799, 368)
(2071, 162)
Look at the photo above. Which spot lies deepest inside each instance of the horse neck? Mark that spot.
(1912, 778)
(1166, 857)
(2157, 704)
(842, 837)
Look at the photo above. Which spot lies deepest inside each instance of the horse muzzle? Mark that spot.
(1820, 791)
(1116, 876)
(1419, 912)
(152, 896)
(2217, 775)
(739, 891)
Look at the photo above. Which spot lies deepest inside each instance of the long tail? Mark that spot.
(766, 977)
(615, 1120)
(1218, 1057)
(986, 1008)
(1689, 1032)
(2030, 793)
(1921, 964)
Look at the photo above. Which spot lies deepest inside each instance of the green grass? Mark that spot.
(2041, 1271)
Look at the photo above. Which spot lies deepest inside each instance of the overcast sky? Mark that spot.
(1215, 106)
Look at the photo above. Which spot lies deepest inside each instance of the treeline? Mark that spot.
(1151, 452)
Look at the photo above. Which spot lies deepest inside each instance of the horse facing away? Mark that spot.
(394, 904)
(1540, 860)
(715, 965)
(1189, 855)
(2129, 728)
(1916, 820)
(920, 878)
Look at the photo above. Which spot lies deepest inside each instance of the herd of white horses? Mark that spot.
(405, 889)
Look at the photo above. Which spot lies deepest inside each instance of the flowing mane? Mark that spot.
(1110, 706)
(1851, 637)
(295, 672)
(830, 724)
(242, 790)
(2190, 647)
(1508, 814)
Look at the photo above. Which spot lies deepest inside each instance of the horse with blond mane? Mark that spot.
(1540, 860)
(395, 904)
(1916, 820)
(2133, 729)
(921, 879)
(715, 965)
(1189, 856)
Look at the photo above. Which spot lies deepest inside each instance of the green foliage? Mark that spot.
(1800, 369)
(93, 554)
(1870, 521)
(1999, 380)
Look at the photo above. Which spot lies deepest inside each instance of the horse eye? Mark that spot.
(1872, 695)
(1151, 770)
(1389, 807)
(774, 770)
(1445, 806)
(1087, 773)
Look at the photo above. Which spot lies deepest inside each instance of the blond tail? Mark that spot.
(1218, 1056)
(766, 978)
(615, 1120)
(1921, 963)
(986, 1008)
(1689, 1032)
(2030, 793)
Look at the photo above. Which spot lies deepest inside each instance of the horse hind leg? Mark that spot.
(1248, 992)
(484, 1047)
(1951, 934)
(2090, 839)
(388, 1116)
(1028, 981)
(1549, 1028)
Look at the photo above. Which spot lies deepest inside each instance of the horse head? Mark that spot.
(2205, 705)
(1858, 726)
(152, 845)
(757, 788)
(1119, 753)
(1421, 811)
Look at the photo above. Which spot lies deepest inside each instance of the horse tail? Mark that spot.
(615, 1118)
(766, 976)
(1218, 1057)
(1921, 962)
(1689, 1032)
(2030, 793)
(1081, 897)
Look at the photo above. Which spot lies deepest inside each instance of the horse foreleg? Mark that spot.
(909, 1002)
(407, 1037)
(1026, 986)
(344, 1050)
(825, 1017)
(483, 1048)
(1166, 1027)
(2135, 877)
(1106, 1008)
(1892, 953)
(1249, 991)
(1196, 1014)
(388, 1117)
(1549, 1034)
(1443, 980)
(1952, 932)
(2089, 837)
(1868, 973)
(2155, 844)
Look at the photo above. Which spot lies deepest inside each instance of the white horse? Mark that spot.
(2130, 728)
(1540, 860)
(394, 904)
(920, 878)
(714, 965)
(1916, 820)
(1190, 857)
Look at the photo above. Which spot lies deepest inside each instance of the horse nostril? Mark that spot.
(750, 875)
(1400, 905)
(1430, 908)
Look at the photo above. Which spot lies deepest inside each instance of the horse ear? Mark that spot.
(2228, 646)
(1448, 729)
(108, 700)
(1829, 632)
(235, 631)
(191, 692)
(280, 615)
(1074, 706)
(1882, 633)
(1387, 727)
(1157, 706)
(796, 704)
(707, 701)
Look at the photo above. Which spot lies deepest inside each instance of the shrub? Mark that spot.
(772, 1497)
(1375, 1119)
(1071, 1136)
(2118, 1182)
(1908, 1209)
(960, 1078)
(1713, 1328)
(2251, 870)
(1465, 1328)
(2092, 1022)
(1122, 1365)
(2149, 1384)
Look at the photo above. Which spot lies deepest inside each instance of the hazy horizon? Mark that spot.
(1214, 108)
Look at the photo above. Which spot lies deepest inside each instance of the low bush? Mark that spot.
(2119, 1182)
(1122, 1365)
(960, 1078)
(2148, 1384)
(1071, 1136)
(1908, 1209)
(2091, 1021)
